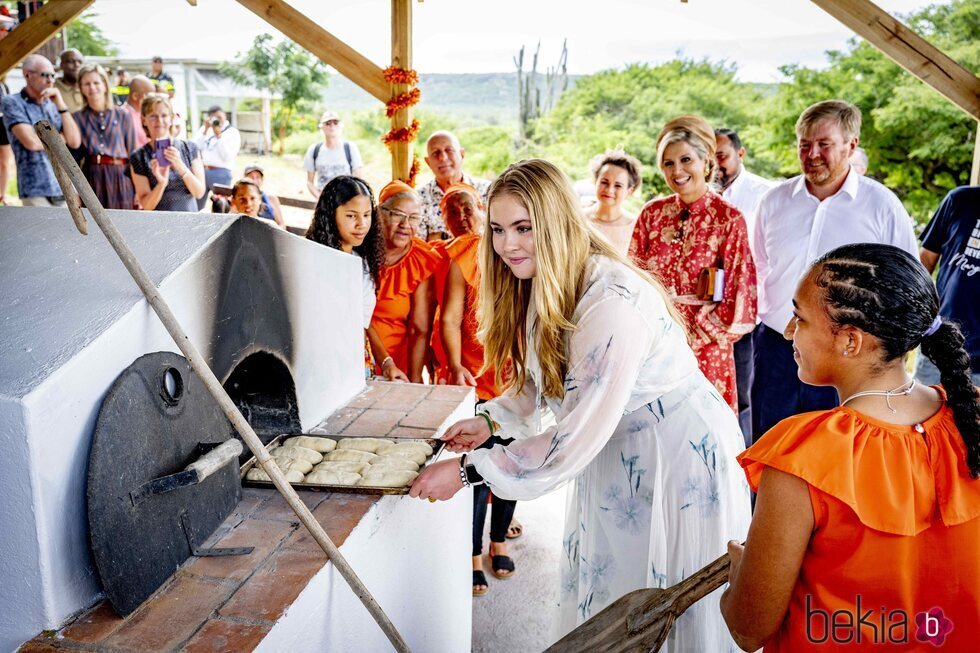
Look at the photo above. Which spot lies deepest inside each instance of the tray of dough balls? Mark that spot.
(340, 463)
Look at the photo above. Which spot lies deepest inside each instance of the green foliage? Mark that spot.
(285, 69)
(87, 37)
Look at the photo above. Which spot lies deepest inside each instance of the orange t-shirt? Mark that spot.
(464, 251)
(439, 278)
(395, 287)
(895, 552)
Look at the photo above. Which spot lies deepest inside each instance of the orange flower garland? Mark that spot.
(396, 75)
(403, 101)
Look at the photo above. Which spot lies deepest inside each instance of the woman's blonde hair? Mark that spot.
(696, 132)
(96, 69)
(150, 102)
(563, 241)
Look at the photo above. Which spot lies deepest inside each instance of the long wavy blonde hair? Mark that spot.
(563, 241)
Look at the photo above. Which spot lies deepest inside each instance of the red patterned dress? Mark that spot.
(675, 241)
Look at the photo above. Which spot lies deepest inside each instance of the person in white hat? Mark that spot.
(332, 157)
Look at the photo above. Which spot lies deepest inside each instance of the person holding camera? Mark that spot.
(219, 144)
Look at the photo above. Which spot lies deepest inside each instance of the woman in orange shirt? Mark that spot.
(402, 320)
(867, 524)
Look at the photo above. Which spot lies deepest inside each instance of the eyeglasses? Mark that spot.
(44, 75)
(399, 217)
(332, 122)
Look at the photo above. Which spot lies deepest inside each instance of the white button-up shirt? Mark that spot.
(794, 228)
(219, 152)
(745, 194)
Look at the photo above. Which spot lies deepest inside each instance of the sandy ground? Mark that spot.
(517, 614)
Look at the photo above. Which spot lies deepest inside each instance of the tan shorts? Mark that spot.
(41, 201)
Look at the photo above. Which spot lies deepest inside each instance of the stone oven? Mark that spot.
(277, 317)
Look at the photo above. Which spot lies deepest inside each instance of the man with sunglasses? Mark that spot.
(39, 100)
(331, 157)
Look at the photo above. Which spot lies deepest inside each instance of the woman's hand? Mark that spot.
(160, 173)
(439, 481)
(735, 551)
(173, 156)
(461, 376)
(466, 434)
(392, 373)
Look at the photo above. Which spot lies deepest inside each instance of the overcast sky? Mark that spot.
(459, 36)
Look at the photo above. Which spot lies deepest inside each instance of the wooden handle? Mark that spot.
(217, 458)
(681, 596)
(60, 157)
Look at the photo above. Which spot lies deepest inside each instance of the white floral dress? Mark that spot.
(649, 446)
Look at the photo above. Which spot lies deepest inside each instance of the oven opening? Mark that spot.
(263, 390)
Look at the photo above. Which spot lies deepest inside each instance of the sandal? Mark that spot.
(502, 563)
(515, 530)
(479, 578)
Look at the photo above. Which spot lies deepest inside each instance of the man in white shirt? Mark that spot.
(444, 156)
(219, 143)
(744, 191)
(799, 220)
(331, 157)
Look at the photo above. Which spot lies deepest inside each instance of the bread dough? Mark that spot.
(288, 464)
(301, 453)
(387, 479)
(351, 455)
(333, 478)
(322, 445)
(258, 474)
(395, 462)
(341, 466)
(413, 445)
(363, 444)
(414, 455)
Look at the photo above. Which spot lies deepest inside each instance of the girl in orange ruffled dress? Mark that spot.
(866, 534)
(402, 320)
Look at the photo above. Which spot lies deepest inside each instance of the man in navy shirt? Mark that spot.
(952, 239)
(36, 183)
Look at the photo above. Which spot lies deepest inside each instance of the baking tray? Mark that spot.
(437, 446)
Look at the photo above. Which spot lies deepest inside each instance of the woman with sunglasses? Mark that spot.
(694, 231)
(402, 321)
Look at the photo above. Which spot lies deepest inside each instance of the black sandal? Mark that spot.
(502, 563)
(479, 578)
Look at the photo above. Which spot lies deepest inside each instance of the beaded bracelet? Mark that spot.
(487, 417)
(462, 471)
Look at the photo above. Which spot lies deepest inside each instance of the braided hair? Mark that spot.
(323, 228)
(887, 293)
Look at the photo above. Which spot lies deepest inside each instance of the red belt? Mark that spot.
(101, 160)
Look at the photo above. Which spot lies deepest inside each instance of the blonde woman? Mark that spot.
(108, 136)
(646, 440)
(168, 173)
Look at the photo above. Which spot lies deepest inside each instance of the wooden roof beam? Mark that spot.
(908, 50)
(37, 29)
(328, 48)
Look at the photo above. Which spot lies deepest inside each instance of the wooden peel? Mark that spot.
(642, 619)
(70, 177)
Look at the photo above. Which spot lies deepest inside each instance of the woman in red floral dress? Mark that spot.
(676, 237)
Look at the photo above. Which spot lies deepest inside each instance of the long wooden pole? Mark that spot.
(61, 158)
(401, 56)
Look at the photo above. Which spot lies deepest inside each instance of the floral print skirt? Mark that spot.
(659, 502)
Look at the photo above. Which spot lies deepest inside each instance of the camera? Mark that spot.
(215, 122)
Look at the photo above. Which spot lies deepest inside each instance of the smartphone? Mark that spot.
(158, 147)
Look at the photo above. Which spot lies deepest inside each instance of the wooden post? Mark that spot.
(909, 50)
(975, 171)
(41, 26)
(401, 56)
(325, 46)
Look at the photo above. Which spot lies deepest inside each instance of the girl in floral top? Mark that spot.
(867, 523)
(679, 236)
(646, 441)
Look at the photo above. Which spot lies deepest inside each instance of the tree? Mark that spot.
(285, 69)
(87, 37)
